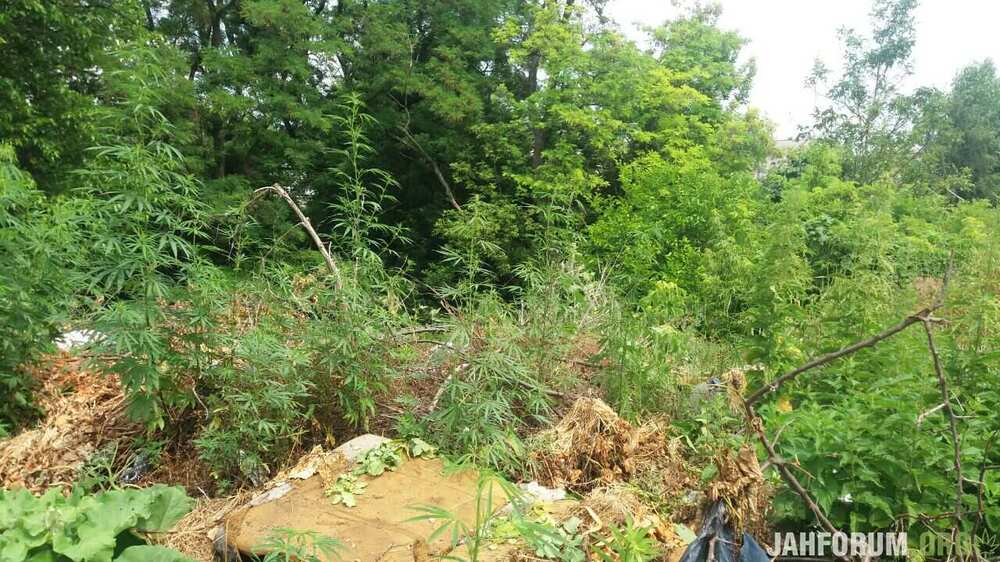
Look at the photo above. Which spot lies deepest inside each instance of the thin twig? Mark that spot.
(956, 439)
(421, 330)
(829, 357)
(306, 224)
(923, 416)
(411, 141)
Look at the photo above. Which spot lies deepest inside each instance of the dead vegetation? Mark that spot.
(593, 447)
(741, 486)
(84, 411)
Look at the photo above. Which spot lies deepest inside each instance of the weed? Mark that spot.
(295, 545)
(490, 486)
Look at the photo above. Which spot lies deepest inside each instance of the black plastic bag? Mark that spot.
(716, 529)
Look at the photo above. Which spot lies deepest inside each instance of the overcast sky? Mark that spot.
(786, 36)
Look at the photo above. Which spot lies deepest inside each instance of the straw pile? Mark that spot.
(85, 411)
(593, 447)
(193, 535)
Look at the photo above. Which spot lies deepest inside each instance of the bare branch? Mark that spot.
(756, 424)
(306, 224)
(830, 357)
(412, 142)
(956, 439)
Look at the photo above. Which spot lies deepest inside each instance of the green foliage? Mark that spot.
(145, 222)
(37, 242)
(364, 190)
(387, 456)
(504, 363)
(150, 553)
(54, 56)
(672, 213)
(346, 489)
(553, 542)
(960, 130)
(867, 113)
(88, 528)
(258, 406)
(566, 190)
(631, 543)
(292, 545)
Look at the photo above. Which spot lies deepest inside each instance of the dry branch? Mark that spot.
(411, 141)
(830, 357)
(924, 317)
(306, 224)
(952, 421)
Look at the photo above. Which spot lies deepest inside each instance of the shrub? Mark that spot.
(37, 241)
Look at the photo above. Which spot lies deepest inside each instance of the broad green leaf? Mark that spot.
(151, 553)
(167, 505)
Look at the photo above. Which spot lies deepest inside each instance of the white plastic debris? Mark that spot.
(540, 493)
(272, 494)
(76, 338)
(360, 445)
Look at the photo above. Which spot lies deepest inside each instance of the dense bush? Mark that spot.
(528, 189)
(38, 245)
(89, 527)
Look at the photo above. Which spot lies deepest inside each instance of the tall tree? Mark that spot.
(53, 56)
(866, 111)
(974, 111)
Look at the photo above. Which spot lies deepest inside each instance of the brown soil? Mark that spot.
(381, 526)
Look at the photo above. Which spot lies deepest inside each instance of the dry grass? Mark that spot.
(84, 411)
(592, 447)
(192, 536)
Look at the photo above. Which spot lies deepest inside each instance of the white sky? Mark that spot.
(786, 36)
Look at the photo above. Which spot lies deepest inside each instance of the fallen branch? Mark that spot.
(307, 225)
(412, 142)
(829, 357)
(421, 330)
(952, 422)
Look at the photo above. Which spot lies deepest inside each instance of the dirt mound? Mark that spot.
(592, 447)
(85, 411)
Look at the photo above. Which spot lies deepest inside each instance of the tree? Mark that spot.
(973, 108)
(54, 53)
(867, 113)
